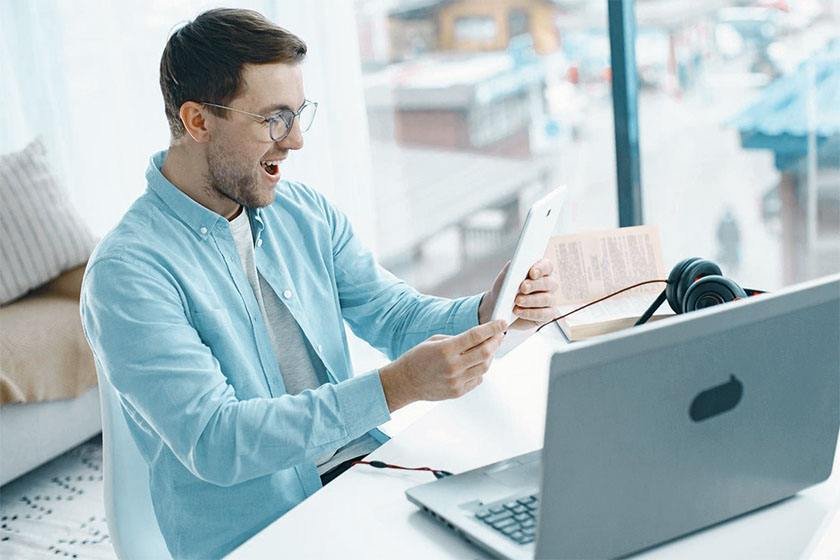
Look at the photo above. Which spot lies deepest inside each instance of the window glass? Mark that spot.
(475, 110)
(518, 22)
(475, 29)
(740, 135)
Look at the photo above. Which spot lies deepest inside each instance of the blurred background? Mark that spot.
(441, 120)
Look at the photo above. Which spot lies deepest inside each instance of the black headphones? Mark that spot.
(696, 283)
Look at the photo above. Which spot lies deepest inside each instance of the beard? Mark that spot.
(227, 176)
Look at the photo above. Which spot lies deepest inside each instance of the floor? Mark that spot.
(56, 511)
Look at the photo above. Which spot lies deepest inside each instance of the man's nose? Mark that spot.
(294, 141)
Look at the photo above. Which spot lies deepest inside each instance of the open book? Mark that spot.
(592, 265)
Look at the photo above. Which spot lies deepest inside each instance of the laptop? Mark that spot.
(658, 431)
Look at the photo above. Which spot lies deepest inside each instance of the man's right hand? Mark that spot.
(442, 367)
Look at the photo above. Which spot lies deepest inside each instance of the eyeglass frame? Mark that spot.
(279, 116)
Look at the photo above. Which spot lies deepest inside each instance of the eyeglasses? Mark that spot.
(280, 123)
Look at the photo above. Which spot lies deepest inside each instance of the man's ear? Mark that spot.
(192, 117)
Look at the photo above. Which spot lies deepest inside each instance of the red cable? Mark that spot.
(384, 465)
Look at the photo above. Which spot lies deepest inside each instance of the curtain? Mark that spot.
(84, 75)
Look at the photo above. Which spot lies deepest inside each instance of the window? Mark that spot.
(463, 138)
(475, 29)
(518, 23)
(740, 148)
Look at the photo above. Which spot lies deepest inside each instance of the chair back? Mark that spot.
(134, 529)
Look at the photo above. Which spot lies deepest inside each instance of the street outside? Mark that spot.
(700, 187)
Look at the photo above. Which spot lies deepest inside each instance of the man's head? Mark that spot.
(216, 69)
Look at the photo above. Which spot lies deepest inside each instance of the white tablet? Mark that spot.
(539, 225)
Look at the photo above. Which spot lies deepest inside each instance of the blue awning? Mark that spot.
(778, 120)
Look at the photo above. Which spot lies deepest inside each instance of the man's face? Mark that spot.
(240, 150)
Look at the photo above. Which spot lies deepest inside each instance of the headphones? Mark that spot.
(696, 283)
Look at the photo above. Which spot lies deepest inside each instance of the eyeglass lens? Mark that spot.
(279, 128)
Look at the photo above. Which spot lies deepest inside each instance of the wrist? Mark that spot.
(395, 392)
(484, 309)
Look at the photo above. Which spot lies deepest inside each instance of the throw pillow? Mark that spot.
(41, 234)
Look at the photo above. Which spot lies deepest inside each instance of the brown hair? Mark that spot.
(203, 60)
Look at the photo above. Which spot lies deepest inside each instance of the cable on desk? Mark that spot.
(382, 465)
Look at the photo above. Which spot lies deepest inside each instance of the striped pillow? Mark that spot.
(41, 235)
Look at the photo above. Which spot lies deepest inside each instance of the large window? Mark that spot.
(740, 134)
(476, 109)
(441, 121)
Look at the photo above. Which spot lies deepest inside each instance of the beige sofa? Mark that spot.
(49, 402)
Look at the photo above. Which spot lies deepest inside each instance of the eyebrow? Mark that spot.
(279, 107)
(274, 108)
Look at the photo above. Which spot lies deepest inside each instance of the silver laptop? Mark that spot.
(658, 431)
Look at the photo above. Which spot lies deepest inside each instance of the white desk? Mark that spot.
(364, 512)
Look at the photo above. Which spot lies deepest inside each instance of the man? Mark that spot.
(216, 306)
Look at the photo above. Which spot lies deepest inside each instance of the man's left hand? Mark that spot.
(537, 297)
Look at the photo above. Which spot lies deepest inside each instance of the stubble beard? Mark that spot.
(228, 179)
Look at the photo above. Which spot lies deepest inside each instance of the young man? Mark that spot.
(216, 306)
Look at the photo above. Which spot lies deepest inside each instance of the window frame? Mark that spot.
(621, 24)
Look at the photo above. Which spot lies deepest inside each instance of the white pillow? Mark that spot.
(41, 234)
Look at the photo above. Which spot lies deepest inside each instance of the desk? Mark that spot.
(364, 512)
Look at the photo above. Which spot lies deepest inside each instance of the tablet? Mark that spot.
(533, 240)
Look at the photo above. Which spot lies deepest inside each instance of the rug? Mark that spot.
(56, 511)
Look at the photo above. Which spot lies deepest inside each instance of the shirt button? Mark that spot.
(203, 230)
(320, 348)
(259, 242)
(287, 294)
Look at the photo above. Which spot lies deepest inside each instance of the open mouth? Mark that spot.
(272, 168)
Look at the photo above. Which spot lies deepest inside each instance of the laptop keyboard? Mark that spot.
(516, 519)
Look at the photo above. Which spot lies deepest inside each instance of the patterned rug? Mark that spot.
(56, 511)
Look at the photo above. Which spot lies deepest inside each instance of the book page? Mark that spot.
(592, 265)
(624, 306)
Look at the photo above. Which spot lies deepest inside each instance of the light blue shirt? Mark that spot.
(174, 325)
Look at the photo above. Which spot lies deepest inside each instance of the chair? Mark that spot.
(128, 504)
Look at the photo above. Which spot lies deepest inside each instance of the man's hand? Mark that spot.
(442, 367)
(537, 297)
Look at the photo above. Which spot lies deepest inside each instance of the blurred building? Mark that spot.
(471, 25)
(797, 117)
(484, 102)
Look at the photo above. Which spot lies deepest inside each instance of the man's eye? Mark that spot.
(282, 116)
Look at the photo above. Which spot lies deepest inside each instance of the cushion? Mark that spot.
(41, 234)
(43, 352)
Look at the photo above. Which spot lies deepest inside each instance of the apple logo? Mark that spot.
(716, 400)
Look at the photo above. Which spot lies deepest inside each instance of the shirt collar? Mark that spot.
(200, 218)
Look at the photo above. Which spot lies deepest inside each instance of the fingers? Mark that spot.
(472, 384)
(543, 284)
(476, 335)
(542, 299)
(536, 314)
(484, 352)
(542, 267)
(474, 376)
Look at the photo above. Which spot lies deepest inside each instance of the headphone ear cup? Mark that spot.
(692, 272)
(673, 281)
(711, 290)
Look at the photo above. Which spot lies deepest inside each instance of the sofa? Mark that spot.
(49, 401)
